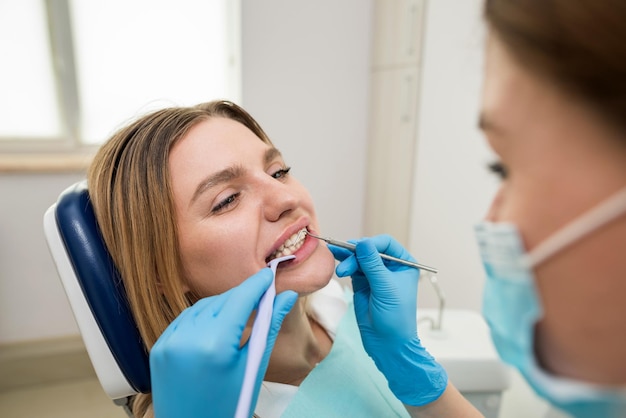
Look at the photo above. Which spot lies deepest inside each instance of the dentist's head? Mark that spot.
(554, 111)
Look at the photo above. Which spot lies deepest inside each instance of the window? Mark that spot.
(74, 70)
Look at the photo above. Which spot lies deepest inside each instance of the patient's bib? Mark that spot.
(346, 383)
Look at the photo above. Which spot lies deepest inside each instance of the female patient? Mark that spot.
(193, 201)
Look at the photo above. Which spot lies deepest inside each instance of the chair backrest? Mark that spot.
(96, 294)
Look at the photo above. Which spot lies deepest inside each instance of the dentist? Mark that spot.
(554, 242)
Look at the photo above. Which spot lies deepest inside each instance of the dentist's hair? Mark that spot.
(578, 45)
(130, 189)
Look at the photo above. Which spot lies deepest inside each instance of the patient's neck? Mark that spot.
(300, 345)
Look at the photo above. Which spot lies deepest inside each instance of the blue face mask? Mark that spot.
(511, 307)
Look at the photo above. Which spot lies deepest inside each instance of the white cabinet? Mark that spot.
(395, 75)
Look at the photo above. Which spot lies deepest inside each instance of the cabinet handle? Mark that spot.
(407, 94)
(410, 28)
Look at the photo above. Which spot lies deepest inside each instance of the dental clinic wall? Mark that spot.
(452, 189)
(305, 78)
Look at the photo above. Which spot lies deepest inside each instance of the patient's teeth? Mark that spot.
(291, 244)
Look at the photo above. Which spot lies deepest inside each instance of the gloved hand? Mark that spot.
(197, 366)
(385, 303)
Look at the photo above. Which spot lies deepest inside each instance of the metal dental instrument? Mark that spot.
(352, 247)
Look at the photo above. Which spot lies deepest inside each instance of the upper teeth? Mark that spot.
(291, 244)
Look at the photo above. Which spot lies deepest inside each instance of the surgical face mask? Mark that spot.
(511, 307)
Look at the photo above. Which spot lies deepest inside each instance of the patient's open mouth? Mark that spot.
(290, 246)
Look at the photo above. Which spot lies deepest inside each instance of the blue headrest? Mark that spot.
(101, 285)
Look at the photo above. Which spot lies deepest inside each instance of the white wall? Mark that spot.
(452, 189)
(305, 78)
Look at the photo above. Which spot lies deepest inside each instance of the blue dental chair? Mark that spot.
(97, 297)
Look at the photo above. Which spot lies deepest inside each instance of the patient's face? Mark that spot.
(236, 205)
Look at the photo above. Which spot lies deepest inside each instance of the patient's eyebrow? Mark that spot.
(222, 176)
(271, 154)
(229, 174)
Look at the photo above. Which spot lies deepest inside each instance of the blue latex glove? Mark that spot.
(385, 303)
(197, 366)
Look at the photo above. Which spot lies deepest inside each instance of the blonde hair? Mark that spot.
(129, 187)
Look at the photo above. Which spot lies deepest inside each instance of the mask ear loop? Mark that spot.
(598, 216)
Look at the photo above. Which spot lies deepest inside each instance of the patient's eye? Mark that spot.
(226, 203)
(282, 173)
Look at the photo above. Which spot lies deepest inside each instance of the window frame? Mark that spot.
(67, 151)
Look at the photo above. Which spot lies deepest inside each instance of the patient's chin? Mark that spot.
(304, 285)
